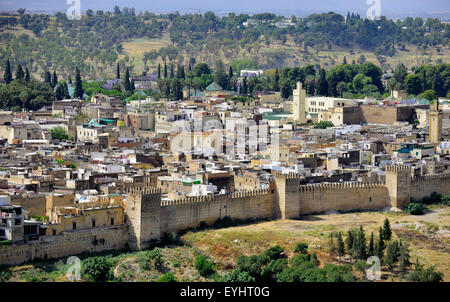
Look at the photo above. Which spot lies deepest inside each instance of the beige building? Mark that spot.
(322, 104)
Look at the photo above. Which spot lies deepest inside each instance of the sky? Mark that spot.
(286, 7)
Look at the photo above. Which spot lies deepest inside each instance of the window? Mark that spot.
(74, 225)
(112, 220)
(93, 223)
(17, 221)
(54, 232)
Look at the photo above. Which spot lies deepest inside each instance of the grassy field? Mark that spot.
(427, 235)
(136, 48)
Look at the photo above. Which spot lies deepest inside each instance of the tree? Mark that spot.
(27, 75)
(48, 77)
(340, 246)
(59, 133)
(391, 254)
(165, 70)
(8, 74)
(371, 250)
(167, 277)
(201, 69)
(344, 61)
(220, 76)
(322, 84)
(379, 247)
(387, 232)
(159, 71)
(301, 247)
(98, 268)
(285, 89)
(19, 72)
(126, 80)
(361, 59)
(400, 73)
(403, 257)
(412, 84)
(430, 95)
(78, 85)
(349, 241)
(118, 71)
(203, 266)
(54, 80)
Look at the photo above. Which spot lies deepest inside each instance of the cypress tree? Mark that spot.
(54, 81)
(19, 72)
(392, 250)
(48, 77)
(331, 246)
(118, 71)
(403, 257)
(165, 70)
(171, 71)
(78, 85)
(379, 247)
(362, 247)
(66, 91)
(349, 241)
(323, 83)
(27, 75)
(8, 74)
(132, 86)
(159, 70)
(277, 76)
(182, 73)
(230, 72)
(371, 250)
(70, 79)
(59, 92)
(387, 232)
(244, 86)
(126, 80)
(340, 246)
(345, 61)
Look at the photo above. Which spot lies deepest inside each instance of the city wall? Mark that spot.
(67, 244)
(425, 185)
(191, 211)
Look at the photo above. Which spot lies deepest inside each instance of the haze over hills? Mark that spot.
(391, 9)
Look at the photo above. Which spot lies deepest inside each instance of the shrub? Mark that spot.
(360, 266)
(156, 256)
(237, 276)
(252, 265)
(167, 277)
(425, 275)
(98, 268)
(445, 200)
(270, 272)
(275, 252)
(203, 266)
(415, 208)
(301, 248)
(4, 276)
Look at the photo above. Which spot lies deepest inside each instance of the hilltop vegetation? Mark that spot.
(96, 42)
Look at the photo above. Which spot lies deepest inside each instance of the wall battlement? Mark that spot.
(339, 186)
(429, 177)
(213, 198)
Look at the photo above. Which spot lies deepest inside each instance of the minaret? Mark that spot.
(299, 104)
(435, 123)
